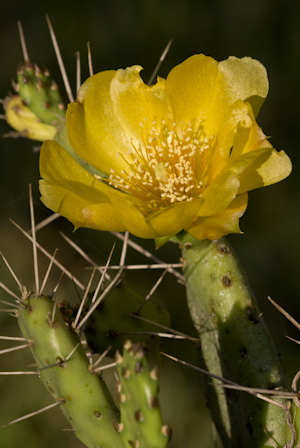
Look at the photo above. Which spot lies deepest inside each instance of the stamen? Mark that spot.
(166, 168)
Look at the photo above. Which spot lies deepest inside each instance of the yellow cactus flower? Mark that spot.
(25, 122)
(180, 154)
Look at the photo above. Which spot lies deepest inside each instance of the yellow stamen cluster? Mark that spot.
(167, 166)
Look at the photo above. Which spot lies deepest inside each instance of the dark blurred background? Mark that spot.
(123, 33)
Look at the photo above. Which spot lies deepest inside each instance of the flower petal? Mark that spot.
(219, 194)
(175, 218)
(137, 105)
(132, 219)
(267, 169)
(93, 129)
(76, 210)
(69, 189)
(195, 91)
(221, 223)
(246, 79)
(167, 221)
(249, 138)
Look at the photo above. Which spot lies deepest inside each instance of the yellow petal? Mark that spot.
(77, 210)
(219, 194)
(234, 130)
(93, 129)
(195, 90)
(137, 105)
(167, 221)
(175, 218)
(236, 119)
(132, 219)
(245, 79)
(221, 223)
(249, 138)
(69, 189)
(267, 169)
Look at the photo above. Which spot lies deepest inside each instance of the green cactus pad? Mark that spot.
(113, 320)
(141, 422)
(87, 403)
(235, 344)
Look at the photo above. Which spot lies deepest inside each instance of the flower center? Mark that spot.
(166, 168)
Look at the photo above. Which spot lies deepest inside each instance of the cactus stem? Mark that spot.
(46, 408)
(61, 362)
(60, 61)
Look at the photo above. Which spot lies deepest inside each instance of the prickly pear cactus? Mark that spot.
(141, 422)
(235, 344)
(65, 371)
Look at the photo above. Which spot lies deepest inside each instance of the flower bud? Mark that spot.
(25, 122)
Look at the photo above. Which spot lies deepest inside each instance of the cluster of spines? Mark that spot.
(137, 391)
